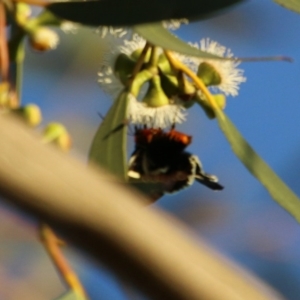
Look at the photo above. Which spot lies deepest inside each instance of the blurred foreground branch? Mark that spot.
(101, 216)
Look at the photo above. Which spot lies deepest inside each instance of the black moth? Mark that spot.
(160, 157)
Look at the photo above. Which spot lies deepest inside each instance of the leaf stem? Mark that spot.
(264, 58)
(140, 61)
(51, 244)
(154, 56)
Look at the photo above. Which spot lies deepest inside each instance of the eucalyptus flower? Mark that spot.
(152, 111)
(107, 79)
(155, 117)
(230, 77)
(43, 39)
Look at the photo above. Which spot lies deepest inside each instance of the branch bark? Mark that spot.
(101, 216)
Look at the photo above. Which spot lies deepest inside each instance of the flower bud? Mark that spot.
(155, 96)
(4, 93)
(8, 96)
(169, 84)
(136, 54)
(220, 100)
(30, 113)
(57, 134)
(13, 100)
(123, 67)
(43, 39)
(185, 90)
(208, 74)
(164, 65)
(139, 80)
(185, 86)
(23, 12)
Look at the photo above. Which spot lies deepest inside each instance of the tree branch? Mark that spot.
(101, 216)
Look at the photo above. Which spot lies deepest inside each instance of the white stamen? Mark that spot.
(116, 32)
(155, 117)
(68, 27)
(231, 76)
(174, 24)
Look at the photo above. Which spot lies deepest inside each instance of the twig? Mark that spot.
(52, 245)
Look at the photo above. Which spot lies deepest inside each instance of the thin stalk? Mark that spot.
(19, 64)
(17, 55)
(51, 244)
(140, 61)
(154, 56)
(260, 59)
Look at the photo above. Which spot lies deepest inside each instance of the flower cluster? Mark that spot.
(160, 94)
(160, 86)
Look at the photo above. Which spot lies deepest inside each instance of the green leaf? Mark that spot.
(290, 4)
(156, 34)
(70, 295)
(278, 190)
(108, 148)
(130, 12)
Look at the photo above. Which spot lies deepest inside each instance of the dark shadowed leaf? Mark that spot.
(279, 191)
(130, 12)
(153, 190)
(156, 34)
(70, 295)
(108, 148)
(290, 4)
